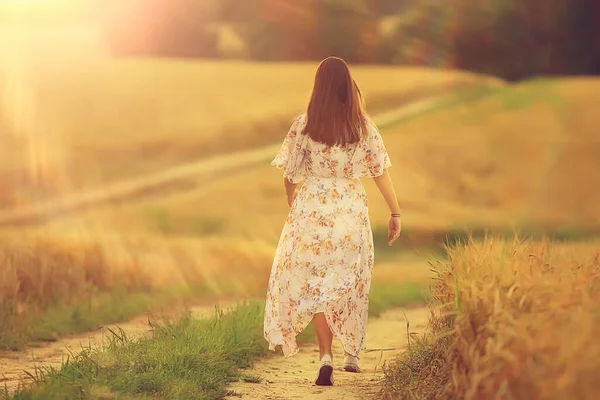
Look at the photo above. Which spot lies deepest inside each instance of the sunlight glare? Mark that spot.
(28, 3)
(35, 6)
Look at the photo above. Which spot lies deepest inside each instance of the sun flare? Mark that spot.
(28, 2)
(24, 5)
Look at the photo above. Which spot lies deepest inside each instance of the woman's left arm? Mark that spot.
(290, 190)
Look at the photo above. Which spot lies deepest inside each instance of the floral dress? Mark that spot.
(324, 258)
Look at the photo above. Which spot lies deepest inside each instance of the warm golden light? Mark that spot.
(26, 7)
(28, 3)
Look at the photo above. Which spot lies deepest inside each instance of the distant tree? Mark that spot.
(530, 38)
(505, 40)
(349, 29)
(512, 39)
(389, 7)
(581, 37)
(275, 29)
(183, 28)
(423, 35)
(305, 29)
(595, 15)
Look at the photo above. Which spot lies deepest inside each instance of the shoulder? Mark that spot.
(371, 126)
(300, 120)
(372, 131)
(298, 124)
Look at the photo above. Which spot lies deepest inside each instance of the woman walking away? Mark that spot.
(323, 263)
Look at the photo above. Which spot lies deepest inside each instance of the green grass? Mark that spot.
(460, 97)
(385, 296)
(511, 97)
(201, 225)
(188, 359)
(208, 225)
(535, 90)
(100, 308)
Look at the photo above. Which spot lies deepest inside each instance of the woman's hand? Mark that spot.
(384, 183)
(291, 197)
(394, 229)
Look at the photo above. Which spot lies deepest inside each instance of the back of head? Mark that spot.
(335, 112)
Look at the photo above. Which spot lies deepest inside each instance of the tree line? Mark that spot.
(512, 39)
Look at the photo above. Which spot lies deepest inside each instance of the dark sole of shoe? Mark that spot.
(324, 378)
(351, 368)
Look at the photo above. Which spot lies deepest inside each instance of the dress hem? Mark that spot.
(295, 348)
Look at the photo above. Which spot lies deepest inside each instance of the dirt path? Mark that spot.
(14, 364)
(175, 176)
(293, 378)
(283, 378)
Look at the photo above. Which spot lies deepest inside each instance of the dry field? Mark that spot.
(511, 320)
(50, 279)
(55, 282)
(524, 157)
(72, 117)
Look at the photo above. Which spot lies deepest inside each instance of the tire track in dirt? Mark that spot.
(176, 176)
(293, 378)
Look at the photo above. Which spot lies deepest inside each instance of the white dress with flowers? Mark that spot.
(324, 258)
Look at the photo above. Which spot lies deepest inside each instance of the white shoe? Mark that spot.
(325, 374)
(351, 363)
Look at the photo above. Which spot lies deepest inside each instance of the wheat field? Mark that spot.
(478, 171)
(45, 270)
(501, 180)
(523, 157)
(48, 276)
(511, 320)
(73, 117)
(86, 126)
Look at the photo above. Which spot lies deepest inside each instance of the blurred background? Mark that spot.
(136, 136)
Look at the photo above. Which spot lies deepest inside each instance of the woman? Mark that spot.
(323, 264)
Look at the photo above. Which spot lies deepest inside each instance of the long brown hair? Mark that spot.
(335, 112)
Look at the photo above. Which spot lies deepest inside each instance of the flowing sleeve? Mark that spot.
(371, 157)
(291, 155)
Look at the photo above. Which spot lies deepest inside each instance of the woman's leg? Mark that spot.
(324, 335)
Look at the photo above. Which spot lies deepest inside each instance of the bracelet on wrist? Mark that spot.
(395, 215)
